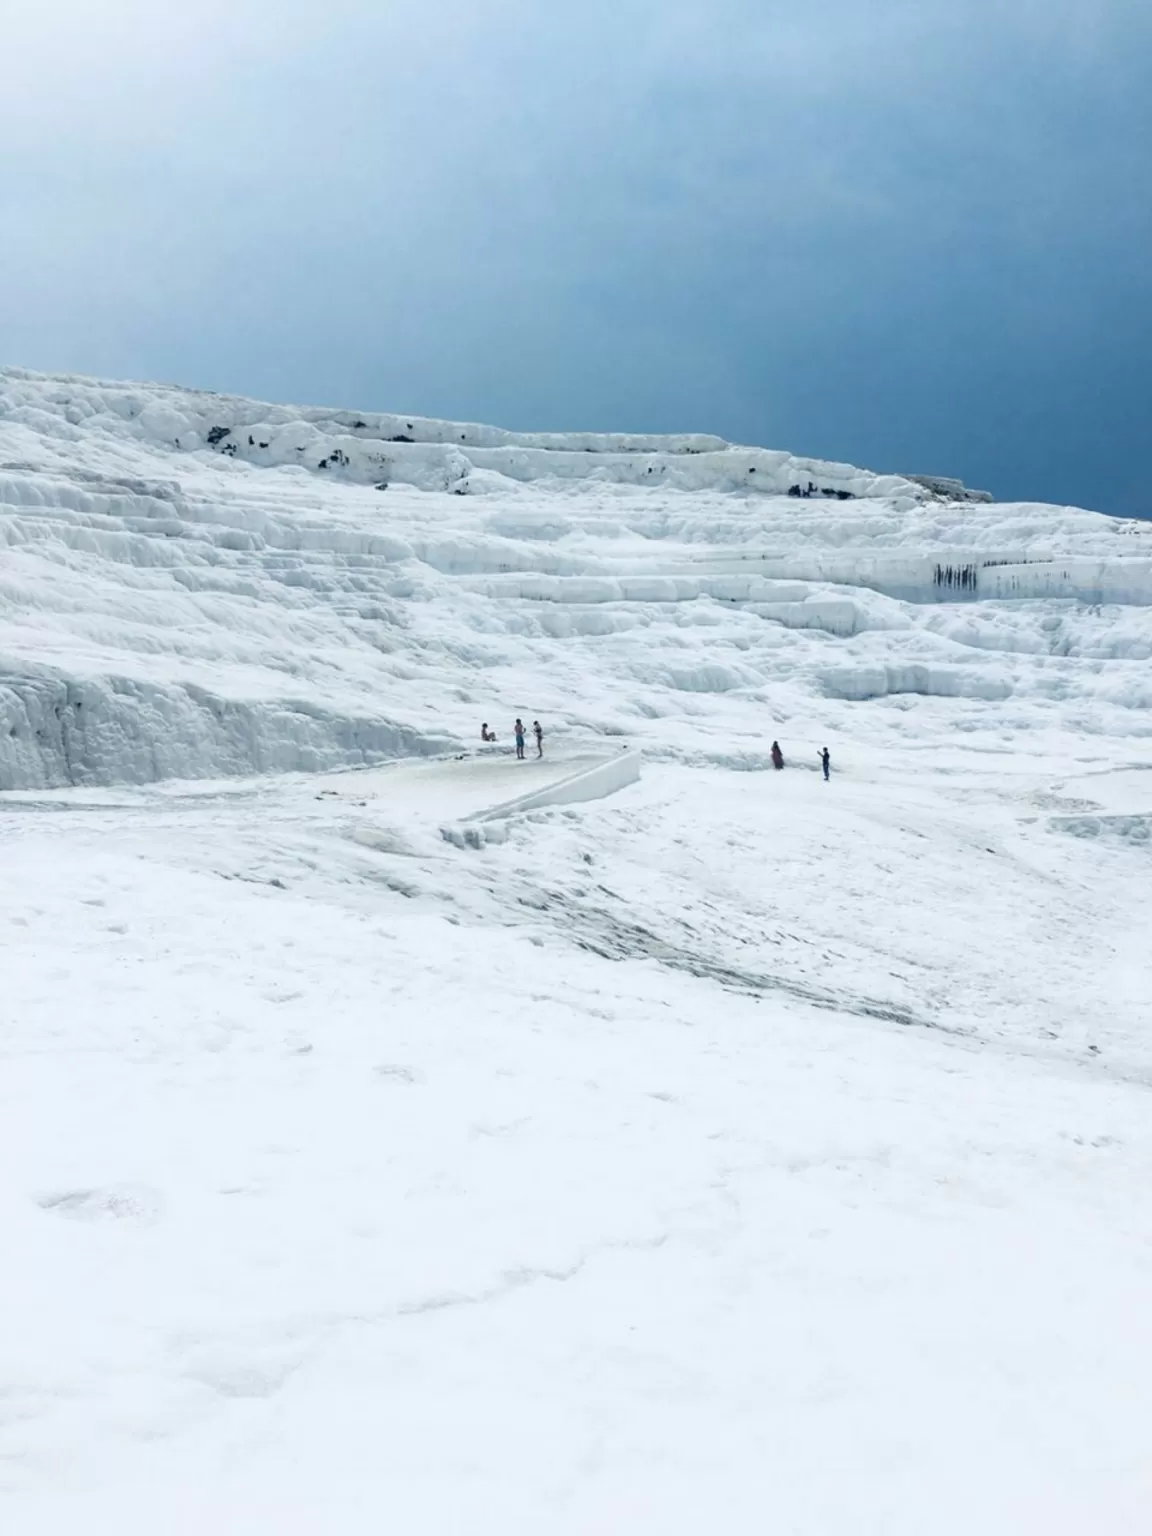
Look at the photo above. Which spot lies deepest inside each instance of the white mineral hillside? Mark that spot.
(195, 585)
(395, 1137)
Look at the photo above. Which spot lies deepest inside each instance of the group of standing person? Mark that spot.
(824, 757)
(520, 733)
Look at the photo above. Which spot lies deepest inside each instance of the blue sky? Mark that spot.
(912, 235)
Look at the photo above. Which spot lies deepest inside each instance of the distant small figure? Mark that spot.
(825, 762)
(777, 756)
(538, 732)
(519, 738)
(486, 734)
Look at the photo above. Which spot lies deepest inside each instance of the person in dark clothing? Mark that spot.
(825, 762)
(538, 732)
(777, 756)
(519, 737)
(486, 734)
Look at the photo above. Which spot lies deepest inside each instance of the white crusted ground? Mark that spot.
(741, 1152)
(168, 610)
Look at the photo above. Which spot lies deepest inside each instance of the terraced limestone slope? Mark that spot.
(194, 585)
